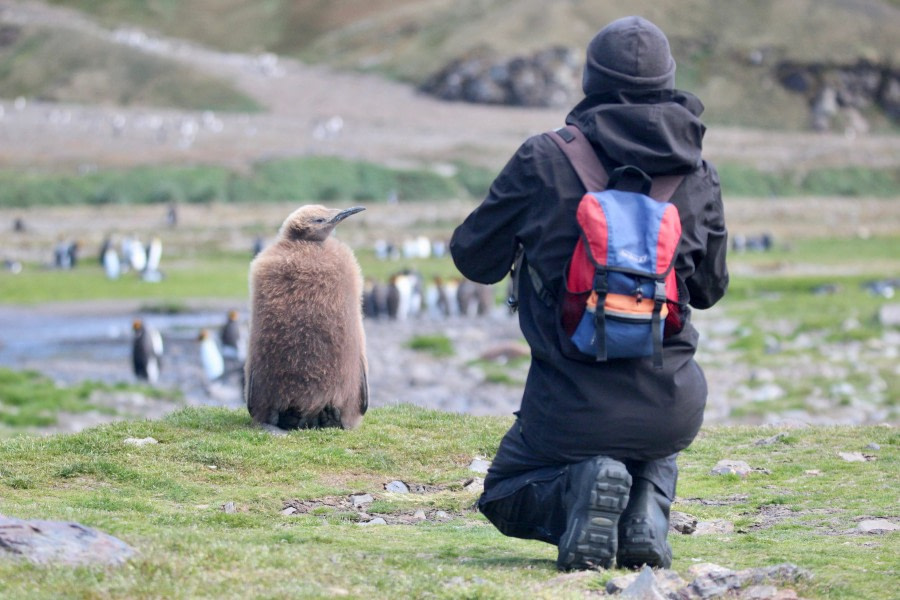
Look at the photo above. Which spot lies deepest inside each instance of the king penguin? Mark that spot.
(210, 357)
(234, 343)
(147, 351)
(306, 365)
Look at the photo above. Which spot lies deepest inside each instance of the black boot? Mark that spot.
(643, 528)
(596, 495)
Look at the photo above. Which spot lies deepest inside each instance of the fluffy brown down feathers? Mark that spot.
(306, 363)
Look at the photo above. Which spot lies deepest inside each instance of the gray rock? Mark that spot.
(229, 508)
(375, 521)
(644, 587)
(731, 467)
(682, 523)
(620, 583)
(289, 510)
(397, 487)
(479, 465)
(45, 542)
(759, 592)
(780, 573)
(476, 484)
(420, 515)
(550, 77)
(873, 446)
(853, 456)
(361, 499)
(711, 581)
(667, 582)
(877, 526)
(714, 527)
(771, 440)
(889, 315)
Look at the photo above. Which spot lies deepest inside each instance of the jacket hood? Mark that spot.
(657, 131)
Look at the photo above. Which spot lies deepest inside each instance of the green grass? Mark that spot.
(315, 178)
(512, 372)
(211, 275)
(28, 399)
(220, 277)
(331, 179)
(740, 180)
(435, 345)
(166, 501)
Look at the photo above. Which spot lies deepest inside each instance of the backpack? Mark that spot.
(619, 296)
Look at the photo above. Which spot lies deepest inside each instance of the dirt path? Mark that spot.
(314, 110)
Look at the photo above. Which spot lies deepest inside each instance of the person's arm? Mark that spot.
(483, 247)
(709, 280)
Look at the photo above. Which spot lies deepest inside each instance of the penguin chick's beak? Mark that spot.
(346, 213)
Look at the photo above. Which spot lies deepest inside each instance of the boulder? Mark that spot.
(550, 77)
(67, 543)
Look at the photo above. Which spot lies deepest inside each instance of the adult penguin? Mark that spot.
(234, 343)
(210, 357)
(112, 266)
(306, 365)
(147, 351)
(154, 254)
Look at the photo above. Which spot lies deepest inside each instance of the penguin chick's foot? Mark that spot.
(330, 416)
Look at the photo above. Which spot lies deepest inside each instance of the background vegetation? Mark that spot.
(329, 179)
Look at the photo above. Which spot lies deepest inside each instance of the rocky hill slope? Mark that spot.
(314, 109)
(732, 54)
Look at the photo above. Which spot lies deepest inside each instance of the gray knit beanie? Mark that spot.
(630, 53)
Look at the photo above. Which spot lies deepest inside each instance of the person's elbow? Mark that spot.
(477, 263)
(710, 294)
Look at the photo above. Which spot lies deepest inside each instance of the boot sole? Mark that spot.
(594, 542)
(640, 546)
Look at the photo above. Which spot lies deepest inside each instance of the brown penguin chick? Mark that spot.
(306, 366)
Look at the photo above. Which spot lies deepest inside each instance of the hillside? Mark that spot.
(317, 110)
(728, 52)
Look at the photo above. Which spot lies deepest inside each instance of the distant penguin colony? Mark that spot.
(406, 295)
(147, 351)
(306, 366)
(134, 257)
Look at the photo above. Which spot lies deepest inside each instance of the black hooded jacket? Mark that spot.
(624, 408)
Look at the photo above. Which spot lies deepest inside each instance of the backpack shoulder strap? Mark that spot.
(591, 171)
(581, 155)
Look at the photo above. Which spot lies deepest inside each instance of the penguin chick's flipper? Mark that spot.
(363, 389)
(248, 392)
